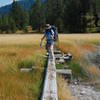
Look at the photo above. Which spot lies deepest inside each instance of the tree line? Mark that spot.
(67, 15)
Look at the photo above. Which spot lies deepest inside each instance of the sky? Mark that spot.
(5, 2)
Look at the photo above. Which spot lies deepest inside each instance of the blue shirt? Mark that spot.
(49, 34)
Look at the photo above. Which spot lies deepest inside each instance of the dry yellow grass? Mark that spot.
(63, 91)
(80, 37)
(94, 71)
(79, 45)
(20, 39)
(13, 50)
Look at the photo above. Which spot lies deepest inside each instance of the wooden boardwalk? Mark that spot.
(50, 85)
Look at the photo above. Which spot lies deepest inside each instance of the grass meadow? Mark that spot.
(79, 45)
(18, 51)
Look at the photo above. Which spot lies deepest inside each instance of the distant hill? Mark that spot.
(25, 4)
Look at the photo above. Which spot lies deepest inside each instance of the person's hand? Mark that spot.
(42, 40)
(40, 45)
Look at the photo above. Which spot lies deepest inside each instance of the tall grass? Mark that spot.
(18, 51)
(79, 45)
(76, 69)
(63, 91)
(94, 70)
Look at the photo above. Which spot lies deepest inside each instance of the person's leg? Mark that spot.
(49, 48)
(51, 51)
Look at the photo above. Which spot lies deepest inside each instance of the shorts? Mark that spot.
(49, 43)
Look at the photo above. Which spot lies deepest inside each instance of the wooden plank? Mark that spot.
(64, 71)
(50, 85)
(26, 70)
(23, 70)
(57, 52)
(67, 73)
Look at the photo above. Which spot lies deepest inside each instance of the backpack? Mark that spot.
(55, 33)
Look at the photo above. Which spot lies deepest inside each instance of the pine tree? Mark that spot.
(12, 25)
(37, 17)
(0, 23)
(84, 9)
(60, 15)
(18, 15)
(43, 16)
(75, 15)
(54, 13)
(4, 23)
(49, 11)
(72, 17)
(95, 12)
(59, 24)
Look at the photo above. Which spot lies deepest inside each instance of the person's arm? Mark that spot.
(42, 40)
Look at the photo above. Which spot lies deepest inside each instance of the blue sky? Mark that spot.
(5, 2)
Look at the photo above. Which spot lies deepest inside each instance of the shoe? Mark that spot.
(47, 54)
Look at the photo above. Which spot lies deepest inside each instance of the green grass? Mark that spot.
(59, 66)
(26, 63)
(76, 68)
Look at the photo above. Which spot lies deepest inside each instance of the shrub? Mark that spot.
(26, 63)
(76, 69)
